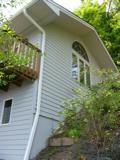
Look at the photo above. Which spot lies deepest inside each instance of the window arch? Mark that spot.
(80, 49)
(80, 64)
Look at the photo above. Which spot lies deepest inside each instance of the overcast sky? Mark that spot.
(69, 4)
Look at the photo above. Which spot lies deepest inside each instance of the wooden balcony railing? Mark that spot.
(25, 50)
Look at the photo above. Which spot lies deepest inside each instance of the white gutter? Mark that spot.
(34, 126)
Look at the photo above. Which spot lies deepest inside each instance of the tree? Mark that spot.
(4, 5)
(105, 18)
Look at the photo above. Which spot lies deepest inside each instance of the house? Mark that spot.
(29, 113)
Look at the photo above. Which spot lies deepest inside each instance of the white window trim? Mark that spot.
(2, 112)
(79, 57)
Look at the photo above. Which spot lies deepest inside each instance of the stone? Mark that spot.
(55, 142)
(67, 141)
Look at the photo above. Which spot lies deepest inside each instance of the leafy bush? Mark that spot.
(95, 112)
(9, 59)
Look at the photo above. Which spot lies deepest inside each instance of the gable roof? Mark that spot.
(47, 11)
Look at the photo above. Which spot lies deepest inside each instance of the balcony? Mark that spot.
(26, 50)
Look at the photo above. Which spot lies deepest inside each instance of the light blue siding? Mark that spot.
(57, 85)
(14, 136)
(57, 79)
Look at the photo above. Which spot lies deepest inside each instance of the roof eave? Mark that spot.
(57, 9)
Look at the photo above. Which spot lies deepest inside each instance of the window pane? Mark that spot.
(81, 50)
(7, 110)
(87, 75)
(74, 67)
(82, 72)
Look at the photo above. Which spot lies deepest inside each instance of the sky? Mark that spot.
(69, 4)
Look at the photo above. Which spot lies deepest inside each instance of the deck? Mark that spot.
(27, 52)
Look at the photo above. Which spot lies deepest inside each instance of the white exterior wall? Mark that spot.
(34, 37)
(57, 76)
(57, 84)
(44, 131)
(14, 136)
(57, 81)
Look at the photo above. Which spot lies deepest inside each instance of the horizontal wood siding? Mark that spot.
(14, 136)
(57, 80)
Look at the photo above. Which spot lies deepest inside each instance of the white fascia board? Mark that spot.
(55, 9)
(70, 14)
(99, 39)
(21, 10)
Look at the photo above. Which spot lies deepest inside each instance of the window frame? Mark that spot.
(85, 62)
(2, 112)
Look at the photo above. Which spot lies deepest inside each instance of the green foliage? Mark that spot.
(9, 60)
(95, 112)
(4, 5)
(105, 18)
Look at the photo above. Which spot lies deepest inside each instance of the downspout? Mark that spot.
(35, 122)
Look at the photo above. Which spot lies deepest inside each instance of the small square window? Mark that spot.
(7, 111)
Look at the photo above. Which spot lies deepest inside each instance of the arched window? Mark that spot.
(80, 64)
(80, 49)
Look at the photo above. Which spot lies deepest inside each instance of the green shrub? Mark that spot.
(95, 112)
